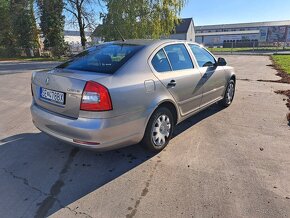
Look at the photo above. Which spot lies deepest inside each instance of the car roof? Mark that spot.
(149, 42)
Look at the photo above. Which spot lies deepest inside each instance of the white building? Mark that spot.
(72, 36)
(74, 40)
(261, 32)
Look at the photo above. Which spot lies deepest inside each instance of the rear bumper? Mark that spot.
(109, 133)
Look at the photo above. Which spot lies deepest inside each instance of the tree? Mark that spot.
(139, 18)
(52, 25)
(18, 26)
(7, 37)
(24, 24)
(82, 14)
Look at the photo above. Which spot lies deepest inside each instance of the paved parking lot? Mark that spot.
(13, 67)
(221, 163)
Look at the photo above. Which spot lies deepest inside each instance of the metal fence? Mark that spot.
(252, 46)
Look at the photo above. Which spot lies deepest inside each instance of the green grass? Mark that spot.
(247, 49)
(33, 59)
(228, 49)
(282, 62)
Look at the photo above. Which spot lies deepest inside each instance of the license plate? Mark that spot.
(53, 96)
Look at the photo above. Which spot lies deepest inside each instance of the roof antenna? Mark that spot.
(123, 39)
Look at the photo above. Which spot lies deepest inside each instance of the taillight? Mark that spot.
(95, 97)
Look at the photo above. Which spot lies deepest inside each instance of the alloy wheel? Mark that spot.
(161, 130)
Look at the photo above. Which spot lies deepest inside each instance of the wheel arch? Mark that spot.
(164, 104)
(169, 105)
(233, 77)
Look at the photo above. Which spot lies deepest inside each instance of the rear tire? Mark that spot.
(159, 130)
(229, 94)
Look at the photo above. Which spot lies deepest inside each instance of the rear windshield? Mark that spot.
(107, 58)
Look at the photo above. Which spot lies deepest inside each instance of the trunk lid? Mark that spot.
(69, 82)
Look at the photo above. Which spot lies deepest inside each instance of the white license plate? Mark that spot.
(53, 96)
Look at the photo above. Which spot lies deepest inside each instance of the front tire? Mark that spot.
(229, 94)
(159, 130)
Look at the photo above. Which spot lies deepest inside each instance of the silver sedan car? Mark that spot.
(123, 93)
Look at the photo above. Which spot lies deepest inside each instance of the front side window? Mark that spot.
(203, 57)
(160, 62)
(107, 58)
(178, 57)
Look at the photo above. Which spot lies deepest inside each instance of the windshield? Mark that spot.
(107, 58)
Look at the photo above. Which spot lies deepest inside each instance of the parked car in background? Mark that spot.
(126, 92)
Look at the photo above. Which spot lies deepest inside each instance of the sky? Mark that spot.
(208, 12)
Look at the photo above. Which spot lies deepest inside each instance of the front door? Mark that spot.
(213, 78)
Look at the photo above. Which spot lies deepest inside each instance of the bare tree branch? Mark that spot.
(84, 15)
(71, 11)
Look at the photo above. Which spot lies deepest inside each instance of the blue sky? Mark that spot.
(207, 12)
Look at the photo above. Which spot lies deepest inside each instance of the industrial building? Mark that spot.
(262, 33)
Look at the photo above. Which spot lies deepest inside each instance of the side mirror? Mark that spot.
(221, 62)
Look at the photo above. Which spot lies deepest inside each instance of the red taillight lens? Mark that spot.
(96, 97)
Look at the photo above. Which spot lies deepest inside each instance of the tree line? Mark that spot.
(23, 21)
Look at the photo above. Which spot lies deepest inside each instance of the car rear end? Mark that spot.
(73, 102)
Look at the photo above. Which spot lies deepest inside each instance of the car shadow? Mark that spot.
(41, 175)
(206, 76)
(191, 121)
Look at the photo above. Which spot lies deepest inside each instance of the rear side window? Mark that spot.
(178, 57)
(107, 58)
(203, 58)
(160, 62)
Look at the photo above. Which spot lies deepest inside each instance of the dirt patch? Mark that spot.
(285, 78)
(245, 80)
(287, 93)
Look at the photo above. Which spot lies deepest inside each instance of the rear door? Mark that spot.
(174, 68)
(213, 77)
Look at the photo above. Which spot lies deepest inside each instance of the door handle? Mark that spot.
(171, 84)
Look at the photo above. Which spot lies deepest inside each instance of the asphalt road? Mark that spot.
(12, 67)
(230, 162)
